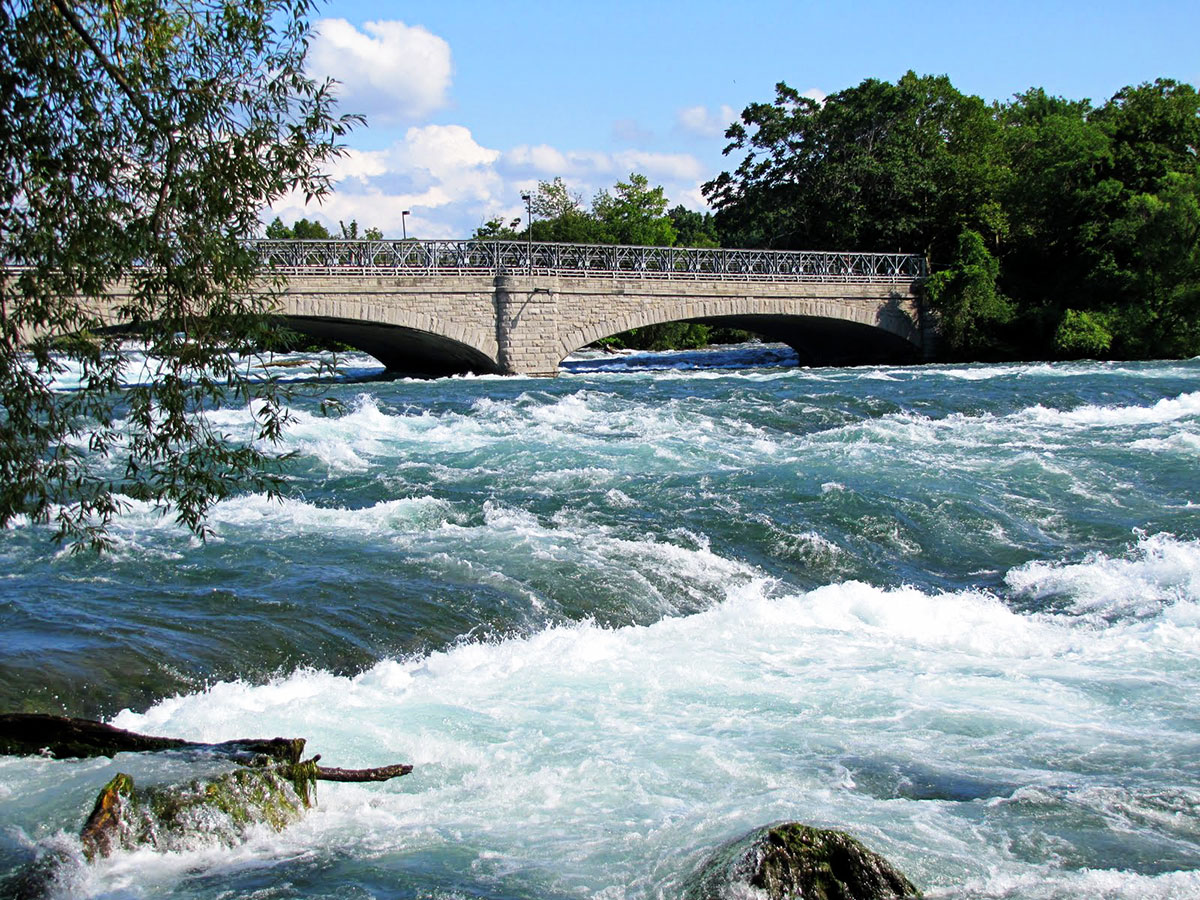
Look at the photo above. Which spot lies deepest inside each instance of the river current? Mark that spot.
(619, 617)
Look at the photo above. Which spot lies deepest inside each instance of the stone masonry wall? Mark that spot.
(528, 324)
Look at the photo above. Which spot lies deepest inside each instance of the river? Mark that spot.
(618, 617)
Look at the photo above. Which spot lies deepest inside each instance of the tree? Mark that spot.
(139, 142)
(879, 166)
(495, 230)
(559, 216)
(300, 230)
(1159, 236)
(693, 229)
(965, 297)
(1053, 227)
(635, 213)
(1154, 129)
(1082, 334)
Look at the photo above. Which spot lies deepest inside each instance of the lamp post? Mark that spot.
(528, 198)
(403, 227)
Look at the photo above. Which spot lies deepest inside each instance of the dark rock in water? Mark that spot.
(791, 861)
(219, 810)
(37, 880)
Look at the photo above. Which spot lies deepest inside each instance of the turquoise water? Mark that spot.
(618, 617)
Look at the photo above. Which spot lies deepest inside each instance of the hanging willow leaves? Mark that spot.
(139, 142)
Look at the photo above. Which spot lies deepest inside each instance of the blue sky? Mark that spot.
(471, 103)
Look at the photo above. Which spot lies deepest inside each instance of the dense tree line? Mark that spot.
(312, 230)
(1054, 228)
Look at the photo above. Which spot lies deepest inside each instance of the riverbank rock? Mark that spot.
(790, 861)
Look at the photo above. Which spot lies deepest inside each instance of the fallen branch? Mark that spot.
(383, 773)
(61, 737)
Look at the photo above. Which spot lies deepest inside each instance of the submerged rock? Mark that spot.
(790, 861)
(219, 810)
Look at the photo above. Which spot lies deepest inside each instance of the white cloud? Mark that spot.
(446, 151)
(698, 120)
(389, 71)
(547, 162)
(451, 184)
(438, 172)
(673, 166)
(361, 164)
(814, 94)
(692, 197)
(541, 158)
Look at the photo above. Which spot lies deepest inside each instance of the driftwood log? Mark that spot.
(61, 737)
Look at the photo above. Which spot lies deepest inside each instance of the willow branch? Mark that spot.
(109, 66)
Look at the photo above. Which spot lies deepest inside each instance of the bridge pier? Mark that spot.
(527, 332)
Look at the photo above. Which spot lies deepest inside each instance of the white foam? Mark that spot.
(1159, 572)
(1057, 883)
(1168, 409)
(564, 745)
(1183, 442)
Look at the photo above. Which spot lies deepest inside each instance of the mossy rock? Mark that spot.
(219, 810)
(790, 861)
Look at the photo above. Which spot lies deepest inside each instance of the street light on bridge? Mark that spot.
(528, 198)
(403, 228)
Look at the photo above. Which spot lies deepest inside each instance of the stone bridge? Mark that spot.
(511, 307)
(517, 308)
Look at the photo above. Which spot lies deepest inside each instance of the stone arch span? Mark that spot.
(402, 349)
(424, 327)
(822, 330)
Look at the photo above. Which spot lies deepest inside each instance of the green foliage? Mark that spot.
(965, 297)
(693, 229)
(635, 213)
(139, 143)
(559, 216)
(301, 230)
(1076, 208)
(496, 230)
(875, 167)
(663, 336)
(1154, 130)
(1082, 334)
(1159, 233)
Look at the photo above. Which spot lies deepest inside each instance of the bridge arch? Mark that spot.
(414, 326)
(401, 349)
(823, 331)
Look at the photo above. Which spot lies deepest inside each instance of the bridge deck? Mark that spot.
(470, 257)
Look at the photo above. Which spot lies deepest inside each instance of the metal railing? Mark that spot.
(470, 257)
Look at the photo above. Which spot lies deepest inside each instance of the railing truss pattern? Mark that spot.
(470, 257)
